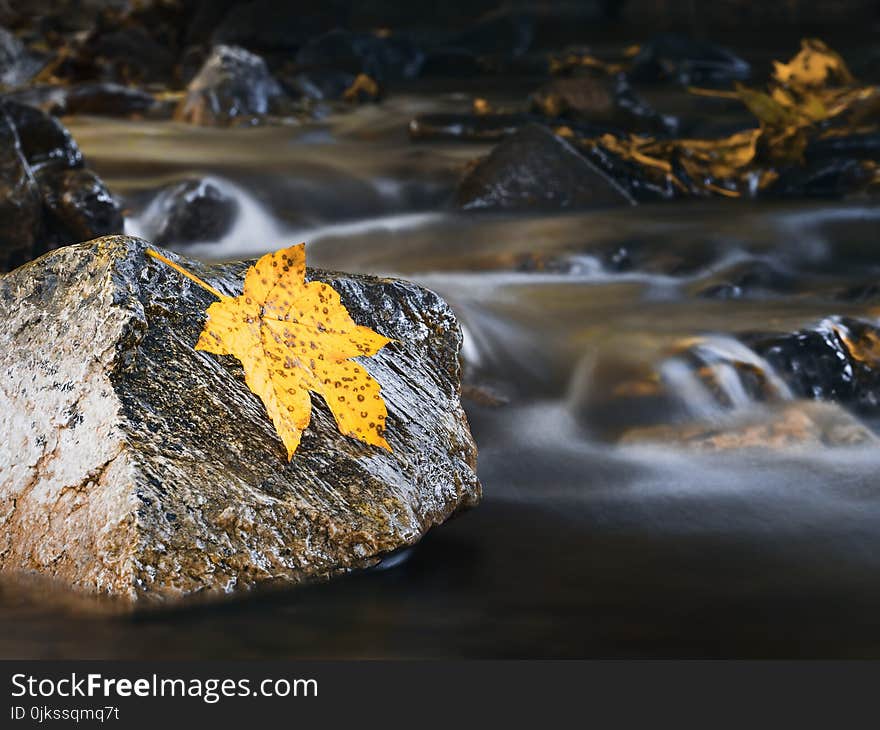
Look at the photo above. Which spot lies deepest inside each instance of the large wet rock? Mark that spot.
(47, 196)
(233, 85)
(132, 465)
(535, 169)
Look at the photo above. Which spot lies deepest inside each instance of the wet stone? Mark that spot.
(134, 466)
(233, 85)
(533, 170)
(191, 211)
(838, 359)
(47, 196)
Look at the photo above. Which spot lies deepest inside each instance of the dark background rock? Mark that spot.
(79, 205)
(191, 211)
(535, 169)
(166, 474)
(47, 196)
(232, 85)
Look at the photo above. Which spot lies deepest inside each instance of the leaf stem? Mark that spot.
(178, 268)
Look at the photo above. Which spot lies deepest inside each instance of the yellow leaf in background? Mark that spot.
(295, 337)
(814, 65)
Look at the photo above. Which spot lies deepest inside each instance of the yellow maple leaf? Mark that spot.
(295, 337)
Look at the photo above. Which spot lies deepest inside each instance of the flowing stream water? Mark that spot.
(584, 545)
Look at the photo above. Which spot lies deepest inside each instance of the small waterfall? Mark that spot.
(254, 230)
(708, 377)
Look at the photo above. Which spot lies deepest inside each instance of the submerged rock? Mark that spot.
(535, 169)
(190, 211)
(132, 465)
(796, 425)
(47, 196)
(232, 85)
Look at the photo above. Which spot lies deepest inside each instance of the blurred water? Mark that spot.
(584, 327)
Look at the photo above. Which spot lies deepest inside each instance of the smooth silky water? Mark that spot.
(582, 546)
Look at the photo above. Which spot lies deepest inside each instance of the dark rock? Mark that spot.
(864, 146)
(190, 211)
(822, 178)
(600, 98)
(381, 58)
(47, 197)
(233, 85)
(107, 99)
(682, 60)
(643, 184)
(451, 62)
(499, 33)
(44, 141)
(135, 466)
(80, 205)
(838, 360)
(535, 169)
(20, 203)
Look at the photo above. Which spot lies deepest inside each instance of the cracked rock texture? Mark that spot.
(132, 465)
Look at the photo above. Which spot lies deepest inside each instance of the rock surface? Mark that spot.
(535, 169)
(232, 85)
(191, 211)
(837, 359)
(47, 196)
(132, 465)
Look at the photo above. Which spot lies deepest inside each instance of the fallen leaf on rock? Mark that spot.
(295, 337)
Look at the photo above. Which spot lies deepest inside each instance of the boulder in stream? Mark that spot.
(47, 196)
(135, 466)
(535, 169)
(191, 211)
(233, 85)
(837, 359)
